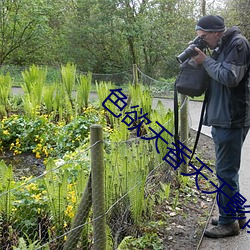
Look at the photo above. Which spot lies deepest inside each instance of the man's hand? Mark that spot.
(200, 58)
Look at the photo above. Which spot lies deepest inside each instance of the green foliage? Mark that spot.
(22, 245)
(68, 74)
(141, 96)
(48, 98)
(52, 198)
(183, 180)
(55, 196)
(176, 199)
(83, 91)
(165, 191)
(43, 137)
(103, 36)
(23, 25)
(103, 91)
(30, 206)
(5, 90)
(57, 188)
(33, 85)
(147, 241)
(125, 172)
(166, 119)
(6, 184)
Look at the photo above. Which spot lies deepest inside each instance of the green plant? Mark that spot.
(147, 241)
(48, 98)
(34, 81)
(165, 190)
(125, 178)
(44, 137)
(30, 207)
(103, 91)
(56, 184)
(29, 245)
(6, 184)
(83, 91)
(5, 90)
(183, 180)
(176, 199)
(141, 96)
(68, 74)
(166, 119)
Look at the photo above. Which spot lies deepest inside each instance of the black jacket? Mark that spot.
(229, 90)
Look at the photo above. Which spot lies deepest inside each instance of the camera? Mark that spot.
(190, 51)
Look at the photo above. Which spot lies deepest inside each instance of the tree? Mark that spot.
(21, 21)
(106, 35)
(237, 12)
(102, 36)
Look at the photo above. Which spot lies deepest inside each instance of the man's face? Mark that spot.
(211, 38)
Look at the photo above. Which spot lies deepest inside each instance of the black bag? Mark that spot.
(192, 80)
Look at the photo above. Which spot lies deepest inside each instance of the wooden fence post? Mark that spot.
(135, 74)
(98, 195)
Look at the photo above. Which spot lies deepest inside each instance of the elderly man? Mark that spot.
(228, 112)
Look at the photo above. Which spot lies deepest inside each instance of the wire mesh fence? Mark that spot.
(55, 209)
(46, 211)
(160, 87)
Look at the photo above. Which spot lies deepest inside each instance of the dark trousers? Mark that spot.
(228, 145)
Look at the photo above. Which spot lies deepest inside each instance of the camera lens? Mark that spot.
(187, 53)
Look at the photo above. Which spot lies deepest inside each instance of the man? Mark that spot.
(228, 112)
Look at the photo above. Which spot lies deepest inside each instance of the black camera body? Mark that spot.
(190, 51)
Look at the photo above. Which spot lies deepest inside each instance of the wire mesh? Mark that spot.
(39, 211)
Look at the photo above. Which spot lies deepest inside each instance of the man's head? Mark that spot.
(211, 29)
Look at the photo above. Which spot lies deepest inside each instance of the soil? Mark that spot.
(25, 164)
(185, 229)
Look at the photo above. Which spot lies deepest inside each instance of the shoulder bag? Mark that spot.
(192, 79)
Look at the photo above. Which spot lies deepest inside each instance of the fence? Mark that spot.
(43, 206)
(64, 208)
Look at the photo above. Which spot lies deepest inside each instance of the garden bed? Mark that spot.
(178, 223)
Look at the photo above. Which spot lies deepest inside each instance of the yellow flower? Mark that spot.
(73, 199)
(38, 156)
(45, 151)
(16, 152)
(37, 196)
(6, 132)
(31, 186)
(69, 211)
(14, 209)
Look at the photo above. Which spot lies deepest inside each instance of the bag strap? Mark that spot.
(200, 126)
(176, 118)
(176, 123)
